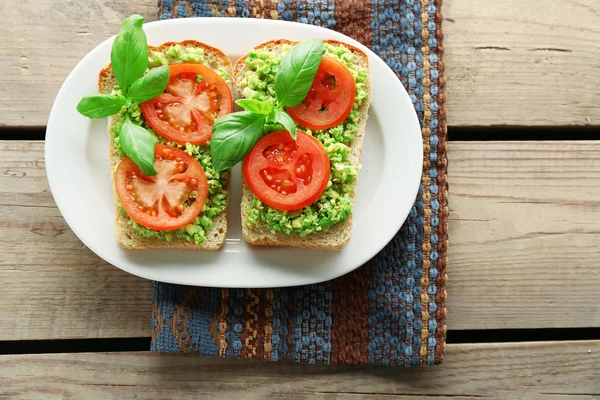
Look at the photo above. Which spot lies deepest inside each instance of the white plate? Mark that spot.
(79, 172)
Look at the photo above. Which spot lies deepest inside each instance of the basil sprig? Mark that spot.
(297, 72)
(150, 85)
(139, 146)
(129, 53)
(284, 119)
(98, 105)
(256, 106)
(129, 60)
(234, 135)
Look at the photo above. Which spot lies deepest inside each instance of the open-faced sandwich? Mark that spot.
(173, 139)
(311, 100)
(162, 102)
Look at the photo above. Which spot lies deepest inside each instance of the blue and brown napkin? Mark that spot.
(391, 311)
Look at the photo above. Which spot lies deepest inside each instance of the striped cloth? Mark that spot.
(391, 311)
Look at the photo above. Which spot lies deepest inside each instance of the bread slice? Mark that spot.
(339, 234)
(127, 236)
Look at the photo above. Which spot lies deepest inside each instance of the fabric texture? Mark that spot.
(391, 311)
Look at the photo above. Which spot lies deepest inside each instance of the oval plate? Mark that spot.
(79, 171)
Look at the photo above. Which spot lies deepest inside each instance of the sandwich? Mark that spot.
(299, 179)
(162, 103)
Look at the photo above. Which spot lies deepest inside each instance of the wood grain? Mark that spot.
(509, 62)
(524, 247)
(52, 285)
(502, 371)
(523, 62)
(47, 40)
(524, 235)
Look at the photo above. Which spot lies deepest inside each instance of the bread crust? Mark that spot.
(127, 236)
(339, 234)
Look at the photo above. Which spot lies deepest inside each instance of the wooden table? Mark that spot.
(524, 273)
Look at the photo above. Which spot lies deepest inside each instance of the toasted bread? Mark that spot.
(336, 237)
(127, 236)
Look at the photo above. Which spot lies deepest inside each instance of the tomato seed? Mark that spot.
(180, 208)
(153, 213)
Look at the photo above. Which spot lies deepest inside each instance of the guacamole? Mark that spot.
(218, 182)
(335, 204)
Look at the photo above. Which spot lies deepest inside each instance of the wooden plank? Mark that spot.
(506, 67)
(524, 247)
(52, 285)
(524, 235)
(522, 370)
(503, 67)
(46, 41)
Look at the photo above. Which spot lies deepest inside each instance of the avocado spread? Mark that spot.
(335, 204)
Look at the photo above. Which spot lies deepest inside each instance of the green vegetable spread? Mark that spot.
(217, 181)
(335, 204)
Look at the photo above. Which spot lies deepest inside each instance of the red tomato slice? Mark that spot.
(330, 98)
(166, 201)
(188, 109)
(287, 174)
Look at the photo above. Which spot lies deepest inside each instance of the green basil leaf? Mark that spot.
(129, 54)
(139, 146)
(297, 72)
(256, 106)
(98, 105)
(233, 137)
(283, 118)
(150, 85)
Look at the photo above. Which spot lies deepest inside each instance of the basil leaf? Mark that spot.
(150, 85)
(297, 72)
(129, 54)
(283, 118)
(100, 105)
(256, 106)
(139, 146)
(233, 137)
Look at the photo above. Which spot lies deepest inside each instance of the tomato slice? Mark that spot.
(330, 98)
(185, 113)
(171, 199)
(287, 174)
